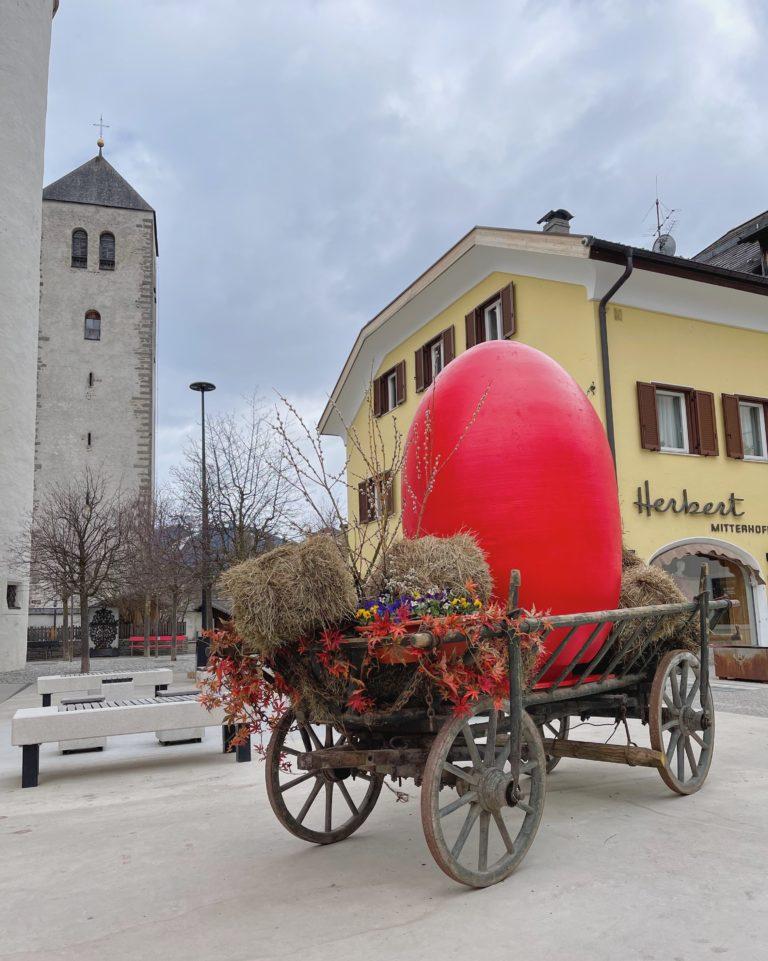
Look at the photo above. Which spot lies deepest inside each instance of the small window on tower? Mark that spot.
(89, 438)
(90, 379)
(107, 251)
(92, 325)
(12, 593)
(79, 248)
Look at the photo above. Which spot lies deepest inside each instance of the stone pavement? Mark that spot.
(173, 853)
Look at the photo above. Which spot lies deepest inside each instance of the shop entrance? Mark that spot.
(726, 578)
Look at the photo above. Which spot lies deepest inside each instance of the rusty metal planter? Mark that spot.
(741, 663)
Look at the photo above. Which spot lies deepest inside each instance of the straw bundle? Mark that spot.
(423, 564)
(289, 593)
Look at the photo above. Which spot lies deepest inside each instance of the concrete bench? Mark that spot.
(112, 684)
(34, 726)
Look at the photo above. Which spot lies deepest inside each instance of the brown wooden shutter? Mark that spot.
(649, 421)
(734, 445)
(508, 322)
(706, 420)
(376, 391)
(449, 345)
(418, 363)
(363, 502)
(400, 382)
(471, 325)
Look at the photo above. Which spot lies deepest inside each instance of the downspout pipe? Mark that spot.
(605, 358)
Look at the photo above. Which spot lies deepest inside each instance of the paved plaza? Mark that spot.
(173, 853)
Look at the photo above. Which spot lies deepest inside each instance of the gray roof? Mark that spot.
(96, 182)
(739, 249)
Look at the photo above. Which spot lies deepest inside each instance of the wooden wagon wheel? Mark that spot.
(345, 797)
(470, 761)
(676, 724)
(557, 728)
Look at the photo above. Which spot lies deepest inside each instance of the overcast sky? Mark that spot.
(307, 160)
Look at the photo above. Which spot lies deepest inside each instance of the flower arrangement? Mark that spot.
(467, 659)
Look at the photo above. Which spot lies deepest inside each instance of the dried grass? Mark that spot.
(425, 563)
(289, 593)
(643, 585)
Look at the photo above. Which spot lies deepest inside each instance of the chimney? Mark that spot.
(556, 222)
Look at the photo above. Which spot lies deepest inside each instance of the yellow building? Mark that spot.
(672, 352)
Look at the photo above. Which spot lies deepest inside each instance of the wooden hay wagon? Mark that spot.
(483, 776)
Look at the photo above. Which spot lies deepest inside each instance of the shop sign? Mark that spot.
(646, 504)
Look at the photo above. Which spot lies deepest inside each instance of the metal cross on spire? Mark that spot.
(101, 125)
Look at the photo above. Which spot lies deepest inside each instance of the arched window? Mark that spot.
(107, 251)
(92, 325)
(79, 248)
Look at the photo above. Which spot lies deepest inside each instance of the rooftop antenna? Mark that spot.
(663, 241)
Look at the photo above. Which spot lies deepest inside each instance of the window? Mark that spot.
(389, 390)
(494, 319)
(93, 325)
(433, 357)
(12, 597)
(746, 426)
(79, 248)
(89, 439)
(107, 251)
(673, 423)
(376, 498)
(677, 420)
(90, 379)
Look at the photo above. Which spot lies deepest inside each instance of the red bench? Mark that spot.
(165, 642)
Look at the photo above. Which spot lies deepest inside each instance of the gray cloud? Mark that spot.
(308, 159)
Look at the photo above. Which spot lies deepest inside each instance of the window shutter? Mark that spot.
(704, 402)
(449, 345)
(376, 391)
(363, 502)
(649, 421)
(418, 359)
(400, 382)
(734, 445)
(508, 311)
(471, 326)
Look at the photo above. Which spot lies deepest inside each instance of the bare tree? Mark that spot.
(176, 560)
(249, 497)
(79, 530)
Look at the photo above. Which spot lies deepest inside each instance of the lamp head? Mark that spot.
(202, 386)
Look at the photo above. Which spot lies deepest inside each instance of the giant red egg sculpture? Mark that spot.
(506, 445)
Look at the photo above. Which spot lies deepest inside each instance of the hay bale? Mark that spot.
(629, 558)
(642, 586)
(289, 593)
(425, 563)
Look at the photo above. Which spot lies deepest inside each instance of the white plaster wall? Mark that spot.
(118, 409)
(25, 38)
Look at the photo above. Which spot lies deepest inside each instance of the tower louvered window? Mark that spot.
(92, 325)
(107, 251)
(79, 248)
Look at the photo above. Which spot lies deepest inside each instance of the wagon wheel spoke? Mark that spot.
(297, 780)
(467, 798)
(672, 745)
(482, 854)
(474, 754)
(691, 758)
(347, 797)
(669, 702)
(328, 805)
(469, 822)
(668, 725)
(328, 735)
(509, 844)
(306, 739)
(461, 772)
(490, 744)
(680, 759)
(309, 802)
(694, 690)
(698, 739)
(675, 684)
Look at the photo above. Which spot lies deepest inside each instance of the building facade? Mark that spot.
(97, 332)
(25, 38)
(674, 362)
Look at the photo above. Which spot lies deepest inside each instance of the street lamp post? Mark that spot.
(203, 387)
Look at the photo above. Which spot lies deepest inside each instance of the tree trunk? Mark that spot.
(146, 625)
(174, 632)
(66, 649)
(85, 622)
